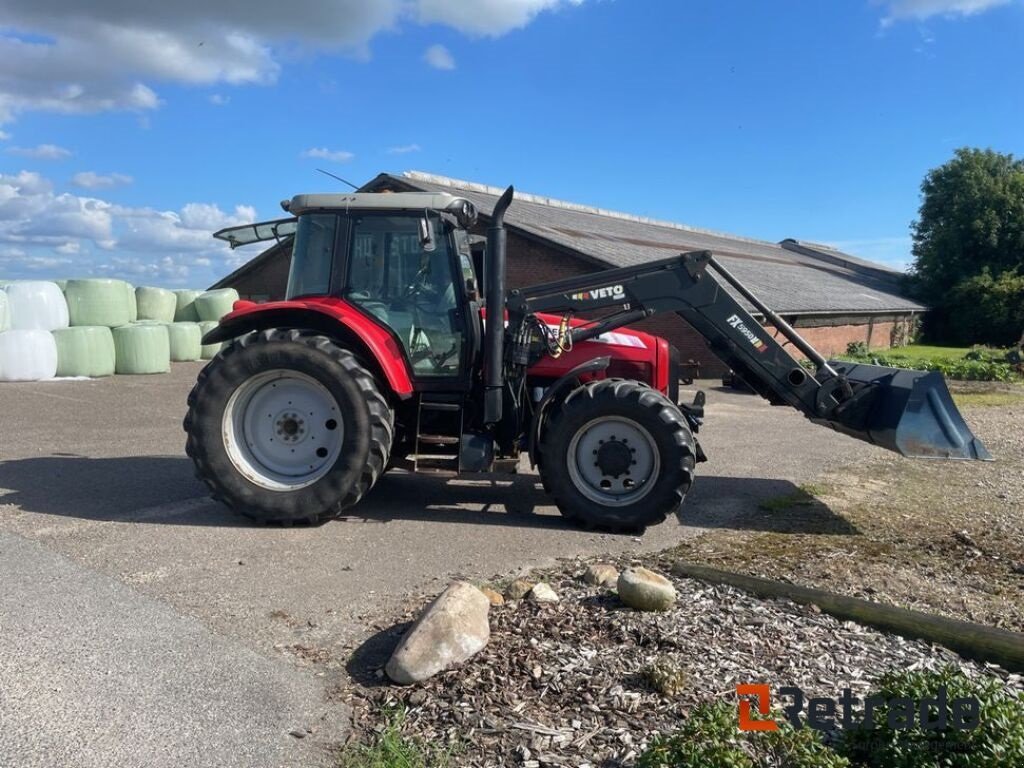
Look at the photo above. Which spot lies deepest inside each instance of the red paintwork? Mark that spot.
(634, 354)
(378, 340)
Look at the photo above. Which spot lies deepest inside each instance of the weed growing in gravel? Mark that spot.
(996, 742)
(391, 748)
(709, 737)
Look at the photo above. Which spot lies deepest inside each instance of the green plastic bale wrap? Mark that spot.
(213, 305)
(133, 304)
(185, 307)
(62, 284)
(98, 301)
(85, 350)
(155, 304)
(142, 348)
(5, 312)
(209, 351)
(185, 342)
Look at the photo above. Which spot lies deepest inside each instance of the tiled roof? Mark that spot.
(787, 280)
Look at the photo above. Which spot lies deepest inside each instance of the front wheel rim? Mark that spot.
(283, 430)
(613, 461)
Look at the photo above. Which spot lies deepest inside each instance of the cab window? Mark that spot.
(312, 255)
(410, 290)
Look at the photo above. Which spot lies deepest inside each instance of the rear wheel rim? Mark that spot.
(283, 430)
(613, 461)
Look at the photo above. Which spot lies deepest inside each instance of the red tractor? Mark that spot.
(388, 352)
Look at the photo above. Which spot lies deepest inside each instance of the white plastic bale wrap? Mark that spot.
(185, 309)
(5, 311)
(85, 350)
(133, 306)
(27, 355)
(155, 304)
(142, 348)
(99, 301)
(209, 351)
(213, 305)
(185, 342)
(36, 305)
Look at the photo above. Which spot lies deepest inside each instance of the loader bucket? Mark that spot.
(910, 412)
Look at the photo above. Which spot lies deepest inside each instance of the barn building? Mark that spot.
(832, 298)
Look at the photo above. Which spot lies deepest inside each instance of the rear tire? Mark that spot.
(617, 455)
(284, 426)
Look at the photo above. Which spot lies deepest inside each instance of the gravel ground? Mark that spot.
(567, 683)
(941, 537)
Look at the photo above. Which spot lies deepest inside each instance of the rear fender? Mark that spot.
(374, 344)
(558, 391)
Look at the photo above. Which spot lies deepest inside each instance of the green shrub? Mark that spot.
(985, 365)
(710, 738)
(391, 748)
(997, 742)
(857, 348)
(987, 308)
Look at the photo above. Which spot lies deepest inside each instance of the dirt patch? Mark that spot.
(943, 537)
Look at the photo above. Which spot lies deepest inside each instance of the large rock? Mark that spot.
(543, 593)
(452, 629)
(601, 575)
(518, 589)
(645, 590)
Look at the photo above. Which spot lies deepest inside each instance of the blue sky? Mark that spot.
(128, 134)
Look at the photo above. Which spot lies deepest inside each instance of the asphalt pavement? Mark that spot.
(139, 618)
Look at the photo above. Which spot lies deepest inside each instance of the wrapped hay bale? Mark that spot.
(155, 304)
(98, 301)
(133, 306)
(185, 306)
(209, 351)
(62, 284)
(142, 348)
(5, 312)
(85, 350)
(213, 305)
(184, 342)
(27, 355)
(36, 305)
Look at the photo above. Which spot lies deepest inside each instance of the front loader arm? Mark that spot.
(906, 411)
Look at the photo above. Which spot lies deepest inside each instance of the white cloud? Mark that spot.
(92, 180)
(219, 99)
(41, 152)
(74, 57)
(404, 149)
(897, 10)
(102, 238)
(486, 17)
(334, 155)
(4, 135)
(439, 57)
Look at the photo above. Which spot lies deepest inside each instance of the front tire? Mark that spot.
(617, 455)
(285, 426)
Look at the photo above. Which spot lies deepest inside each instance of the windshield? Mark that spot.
(312, 255)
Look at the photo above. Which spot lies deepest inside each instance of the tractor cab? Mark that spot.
(402, 259)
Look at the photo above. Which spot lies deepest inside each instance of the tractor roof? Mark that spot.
(377, 201)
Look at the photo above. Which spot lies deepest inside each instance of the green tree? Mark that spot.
(971, 219)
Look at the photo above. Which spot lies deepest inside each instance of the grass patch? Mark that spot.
(988, 398)
(924, 351)
(804, 496)
(391, 748)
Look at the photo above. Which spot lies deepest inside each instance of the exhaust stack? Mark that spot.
(494, 338)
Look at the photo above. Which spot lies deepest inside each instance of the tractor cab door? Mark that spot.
(415, 288)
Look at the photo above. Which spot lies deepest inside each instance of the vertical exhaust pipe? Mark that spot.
(494, 339)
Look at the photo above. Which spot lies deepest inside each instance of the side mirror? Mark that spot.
(428, 240)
